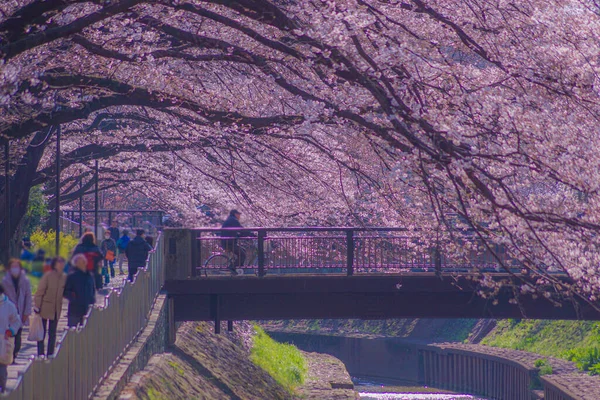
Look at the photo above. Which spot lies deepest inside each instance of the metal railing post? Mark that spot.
(350, 252)
(261, 253)
(437, 259)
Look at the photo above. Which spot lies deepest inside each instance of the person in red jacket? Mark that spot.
(93, 255)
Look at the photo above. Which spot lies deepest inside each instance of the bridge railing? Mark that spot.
(85, 355)
(348, 250)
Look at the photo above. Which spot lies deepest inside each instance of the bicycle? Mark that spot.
(225, 261)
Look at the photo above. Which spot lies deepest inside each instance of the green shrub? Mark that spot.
(540, 363)
(544, 366)
(47, 242)
(546, 370)
(586, 359)
(284, 362)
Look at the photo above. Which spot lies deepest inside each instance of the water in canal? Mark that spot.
(375, 391)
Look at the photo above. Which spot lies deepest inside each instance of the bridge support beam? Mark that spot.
(366, 297)
(214, 312)
(171, 326)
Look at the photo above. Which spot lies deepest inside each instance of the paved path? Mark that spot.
(29, 349)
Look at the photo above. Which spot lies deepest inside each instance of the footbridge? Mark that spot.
(377, 273)
(289, 273)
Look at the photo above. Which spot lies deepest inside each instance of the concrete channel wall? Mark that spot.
(454, 368)
(475, 373)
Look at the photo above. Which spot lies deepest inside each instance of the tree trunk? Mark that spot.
(20, 184)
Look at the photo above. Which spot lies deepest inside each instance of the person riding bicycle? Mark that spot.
(230, 239)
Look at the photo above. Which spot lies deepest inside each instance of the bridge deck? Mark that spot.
(408, 295)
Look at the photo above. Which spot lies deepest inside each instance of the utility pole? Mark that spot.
(7, 198)
(57, 242)
(96, 200)
(80, 207)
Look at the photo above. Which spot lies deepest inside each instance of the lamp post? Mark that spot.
(96, 200)
(7, 198)
(80, 207)
(57, 242)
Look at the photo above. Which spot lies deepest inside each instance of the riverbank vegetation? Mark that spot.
(47, 241)
(445, 330)
(284, 362)
(577, 341)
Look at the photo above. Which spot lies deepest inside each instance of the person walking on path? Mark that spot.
(80, 290)
(122, 247)
(18, 290)
(109, 250)
(10, 324)
(114, 231)
(137, 253)
(93, 255)
(48, 302)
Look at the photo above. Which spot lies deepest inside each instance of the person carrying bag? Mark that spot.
(10, 323)
(48, 304)
(36, 328)
(109, 249)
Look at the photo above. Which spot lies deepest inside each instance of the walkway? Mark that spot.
(29, 349)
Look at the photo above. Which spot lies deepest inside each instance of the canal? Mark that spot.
(369, 390)
(381, 365)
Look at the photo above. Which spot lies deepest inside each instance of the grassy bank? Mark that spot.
(283, 362)
(577, 341)
(441, 330)
(204, 365)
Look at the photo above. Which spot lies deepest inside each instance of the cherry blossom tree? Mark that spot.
(465, 118)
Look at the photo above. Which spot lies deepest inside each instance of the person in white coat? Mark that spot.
(18, 289)
(10, 324)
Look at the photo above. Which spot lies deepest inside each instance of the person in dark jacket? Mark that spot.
(137, 253)
(114, 231)
(80, 290)
(122, 247)
(230, 239)
(109, 251)
(93, 255)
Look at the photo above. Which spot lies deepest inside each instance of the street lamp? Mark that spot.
(7, 198)
(96, 200)
(57, 242)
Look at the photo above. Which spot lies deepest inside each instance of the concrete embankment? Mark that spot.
(327, 378)
(488, 371)
(203, 365)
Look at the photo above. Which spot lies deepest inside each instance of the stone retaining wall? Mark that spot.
(571, 386)
(152, 340)
(483, 365)
(327, 378)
